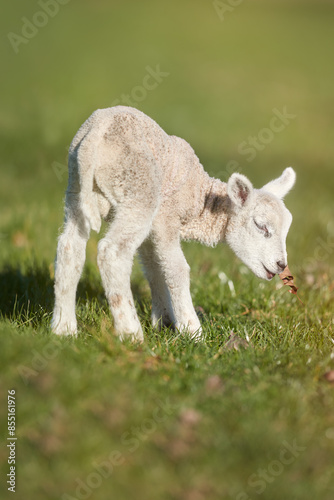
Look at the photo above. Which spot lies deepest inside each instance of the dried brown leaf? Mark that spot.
(235, 342)
(288, 280)
(214, 384)
(190, 416)
(329, 376)
(151, 363)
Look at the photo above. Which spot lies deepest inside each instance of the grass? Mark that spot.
(170, 419)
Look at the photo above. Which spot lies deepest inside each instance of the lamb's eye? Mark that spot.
(263, 228)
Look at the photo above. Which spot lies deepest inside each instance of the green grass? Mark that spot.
(170, 419)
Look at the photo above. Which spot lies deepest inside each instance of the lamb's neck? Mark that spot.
(209, 223)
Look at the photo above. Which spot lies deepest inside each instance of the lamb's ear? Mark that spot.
(282, 185)
(239, 190)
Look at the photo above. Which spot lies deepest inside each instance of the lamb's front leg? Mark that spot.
(175, 270)
(162, 311)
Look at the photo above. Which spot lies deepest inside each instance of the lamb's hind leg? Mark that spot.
(115, 258)
(70, 260)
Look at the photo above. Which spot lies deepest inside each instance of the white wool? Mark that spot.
(154, 192)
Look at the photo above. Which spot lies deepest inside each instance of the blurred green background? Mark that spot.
(227, 66)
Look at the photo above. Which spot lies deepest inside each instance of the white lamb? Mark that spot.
(154, 192)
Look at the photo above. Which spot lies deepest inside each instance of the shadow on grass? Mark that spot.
(24, 289)
(27, 290)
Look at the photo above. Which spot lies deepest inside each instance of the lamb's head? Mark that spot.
(259, 223)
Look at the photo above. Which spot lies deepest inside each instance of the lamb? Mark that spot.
(152, 190)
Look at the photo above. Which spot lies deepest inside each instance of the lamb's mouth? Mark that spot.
(270, 275)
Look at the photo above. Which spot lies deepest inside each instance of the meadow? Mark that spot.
(248, 413)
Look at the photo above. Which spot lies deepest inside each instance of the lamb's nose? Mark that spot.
(281, 265)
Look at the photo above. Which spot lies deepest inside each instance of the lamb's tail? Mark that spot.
(86, 167)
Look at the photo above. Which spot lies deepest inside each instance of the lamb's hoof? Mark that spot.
(198, 335)
(136, 337)
(193, 329)
(67, 329)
